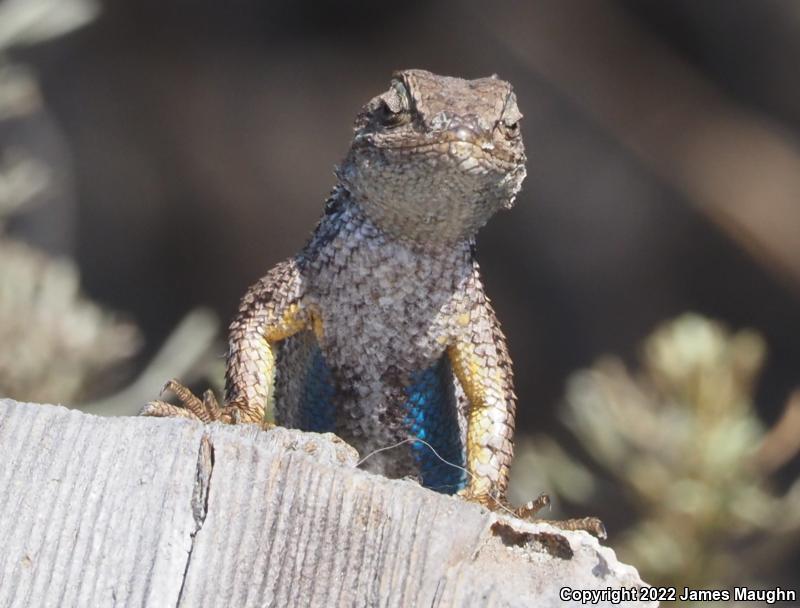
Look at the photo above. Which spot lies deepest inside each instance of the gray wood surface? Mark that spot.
(152, 512)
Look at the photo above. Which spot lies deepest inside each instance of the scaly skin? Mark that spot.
(379, 329)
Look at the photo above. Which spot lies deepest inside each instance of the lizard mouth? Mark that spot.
(462, 147)
(466, 154)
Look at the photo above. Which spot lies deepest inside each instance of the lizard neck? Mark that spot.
(345, 213)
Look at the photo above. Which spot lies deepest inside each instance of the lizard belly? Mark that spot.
(320, 393)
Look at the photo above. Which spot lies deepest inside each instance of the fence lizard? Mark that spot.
(380, 329)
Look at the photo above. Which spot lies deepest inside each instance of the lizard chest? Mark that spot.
(382, 305)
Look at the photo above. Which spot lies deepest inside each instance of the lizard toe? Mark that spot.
(162, 409)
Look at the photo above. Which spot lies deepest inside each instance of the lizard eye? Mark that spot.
(401, 92)
(510, 129)
(395, 106)
(391, 118)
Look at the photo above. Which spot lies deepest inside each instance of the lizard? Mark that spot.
(380, 329)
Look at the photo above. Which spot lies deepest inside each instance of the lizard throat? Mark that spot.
(438, 193)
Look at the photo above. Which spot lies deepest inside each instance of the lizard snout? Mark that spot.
(468, 131)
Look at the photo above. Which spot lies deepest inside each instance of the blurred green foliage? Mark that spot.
(681, 440)
(55, 341)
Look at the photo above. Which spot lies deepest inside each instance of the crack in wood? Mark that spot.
(199, 502)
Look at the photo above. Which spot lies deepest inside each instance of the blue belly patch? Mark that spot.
(431, 415)
(318, 413)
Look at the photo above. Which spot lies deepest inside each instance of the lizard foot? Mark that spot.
(528, 512)
(206, 409)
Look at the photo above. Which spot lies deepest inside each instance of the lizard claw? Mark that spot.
(529, 510)
(592, 525)
(162, 409)
(532, 507)
(205, 410)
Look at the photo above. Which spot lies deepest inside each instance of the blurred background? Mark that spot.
(158, 157)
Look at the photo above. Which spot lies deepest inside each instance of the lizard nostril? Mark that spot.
(463, 133)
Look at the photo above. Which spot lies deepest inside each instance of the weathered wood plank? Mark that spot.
(93, 512)
(150, 512)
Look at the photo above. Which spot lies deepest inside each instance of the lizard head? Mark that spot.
(434, 157)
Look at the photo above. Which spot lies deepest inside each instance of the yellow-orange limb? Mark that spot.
(481, 365)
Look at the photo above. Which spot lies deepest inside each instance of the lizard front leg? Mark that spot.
(271, 311)
(480, 361)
